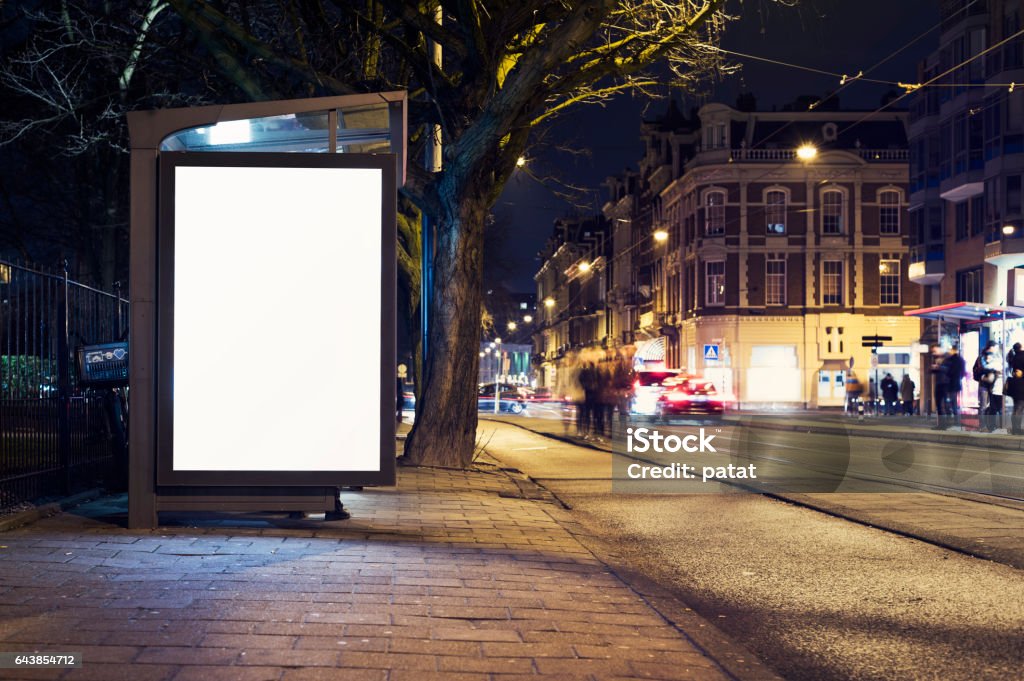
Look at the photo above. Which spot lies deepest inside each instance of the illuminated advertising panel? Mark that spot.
(276, 341)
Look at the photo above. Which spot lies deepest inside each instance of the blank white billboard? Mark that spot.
(277, 308)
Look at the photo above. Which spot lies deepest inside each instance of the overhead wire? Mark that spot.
(845, 81)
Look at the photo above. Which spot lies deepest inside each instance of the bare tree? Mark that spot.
(507, 67)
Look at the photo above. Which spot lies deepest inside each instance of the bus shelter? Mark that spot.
(971, 326)
(262, 289)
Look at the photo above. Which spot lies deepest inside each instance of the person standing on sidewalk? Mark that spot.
(990, 396)
(907, 394)
(956, 369)
(939, 382)
(1015, 390)
(890, 392)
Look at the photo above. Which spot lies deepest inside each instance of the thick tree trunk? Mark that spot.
(444, 433)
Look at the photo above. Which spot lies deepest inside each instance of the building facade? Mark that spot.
(784, 263)
(967, 167)
(728, 255)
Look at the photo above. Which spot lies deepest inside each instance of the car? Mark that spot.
(511, 400)
(647, 388)
(691, 395)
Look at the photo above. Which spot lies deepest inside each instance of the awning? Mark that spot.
(652, 350)
(968, 312)
(835, 365)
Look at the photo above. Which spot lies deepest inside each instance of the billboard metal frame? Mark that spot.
(246, 490)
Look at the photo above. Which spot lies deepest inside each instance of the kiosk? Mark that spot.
(261, 373)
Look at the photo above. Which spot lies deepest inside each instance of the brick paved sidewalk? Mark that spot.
(441, 578)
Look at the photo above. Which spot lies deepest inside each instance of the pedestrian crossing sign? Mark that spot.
(710, 353)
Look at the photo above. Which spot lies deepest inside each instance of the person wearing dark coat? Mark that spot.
(939, 385)
(907, 394)
(890, 394)
(1014, 389)
(954, 369)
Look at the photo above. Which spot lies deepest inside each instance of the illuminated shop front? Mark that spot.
(797, 361)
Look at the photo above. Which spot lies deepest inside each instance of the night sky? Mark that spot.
(841, 36)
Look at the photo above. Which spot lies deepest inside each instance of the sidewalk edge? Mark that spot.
(32, 515)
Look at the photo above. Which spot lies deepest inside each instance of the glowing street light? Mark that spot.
(806, 152)
(527, 318)
(583, 266)
(661, 236)
(520, 162)
(549, 302)
(511, 326)
(482, 354)
(1009, 229)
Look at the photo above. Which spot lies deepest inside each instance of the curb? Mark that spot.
(731, 657)
(36, 514)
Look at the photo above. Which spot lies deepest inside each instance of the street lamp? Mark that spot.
(511, 326)
(520, 162)
(806, 152)
(661, 236)
(1009, 229)
(583, 266)
(549, 302)
(527, 318)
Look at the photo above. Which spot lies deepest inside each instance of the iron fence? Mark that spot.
(55, 437)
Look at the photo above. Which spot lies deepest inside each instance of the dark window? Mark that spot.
(962, 222)
(977, 216)
(970, 286)
(889, 212)
(832, 218)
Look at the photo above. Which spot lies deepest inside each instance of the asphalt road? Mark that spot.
(815, 597)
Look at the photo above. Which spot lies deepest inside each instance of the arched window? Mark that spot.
(775, 211)
(889, 211)
(714, 213)
(833, 218)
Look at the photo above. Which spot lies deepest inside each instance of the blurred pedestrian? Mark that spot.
(955, 370)
(590, 382)
(907, 394)
(939, 386)
(622, 382)
(989, 374)
(854, 391)
(1014, 389)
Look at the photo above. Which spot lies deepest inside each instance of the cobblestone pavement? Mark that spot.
(449, 576)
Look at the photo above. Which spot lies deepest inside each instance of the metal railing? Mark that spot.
(55, 438)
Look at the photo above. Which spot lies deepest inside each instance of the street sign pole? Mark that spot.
(875, 342)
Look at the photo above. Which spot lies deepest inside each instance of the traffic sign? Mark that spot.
(710, 352)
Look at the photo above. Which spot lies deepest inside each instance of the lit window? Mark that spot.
(889, 212)
(889, 282)
(832, 212)
(832, 282)
(714, 278)
(714, 213)
(775, 211)
(775, 282)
